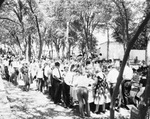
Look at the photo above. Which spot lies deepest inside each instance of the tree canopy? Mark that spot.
(62, 25)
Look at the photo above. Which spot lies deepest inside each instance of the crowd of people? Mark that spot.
(76, 81)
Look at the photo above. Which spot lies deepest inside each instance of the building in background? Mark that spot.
(116, 51)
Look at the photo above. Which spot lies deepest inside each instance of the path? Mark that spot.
(18, 104)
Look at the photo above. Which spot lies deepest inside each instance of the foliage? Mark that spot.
(126, 19)
(64, 24)
(141, 43)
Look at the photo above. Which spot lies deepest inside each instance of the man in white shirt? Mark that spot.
(40, 78)
(128, 72)
(56, 72)
(126, 83)
(57, 83)
(112, 78)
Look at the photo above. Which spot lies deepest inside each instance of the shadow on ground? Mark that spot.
(36, 105)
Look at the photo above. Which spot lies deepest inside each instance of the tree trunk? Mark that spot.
(38, 29)
(107, 43)
(63, 51)
(69, 49)
(67, 40)
(126, 22)
(52, 53)
(48, 45)
(40, 39)
(28, 49)
(57, 51)
(119, 79)
(58, 57)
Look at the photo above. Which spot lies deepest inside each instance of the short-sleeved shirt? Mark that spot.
(40, 73)
(112, 76)
(47, 71)
(56, 72)
(128, 73)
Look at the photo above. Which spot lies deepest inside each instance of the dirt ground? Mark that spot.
(18, 104)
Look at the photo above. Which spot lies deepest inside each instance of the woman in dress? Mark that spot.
(100, 89)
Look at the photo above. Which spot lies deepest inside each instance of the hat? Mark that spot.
(100, 75)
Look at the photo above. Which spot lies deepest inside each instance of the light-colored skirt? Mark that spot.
(99, 99)
(73, 93)
(91, 95)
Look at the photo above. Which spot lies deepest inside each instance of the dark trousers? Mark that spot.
(112, 88)
(6, 72)
(125, 90)
(57, 91)
(26, 81)
(40, 84)
(52, 91)
(45, 81)
(66, 94)
(49, 86)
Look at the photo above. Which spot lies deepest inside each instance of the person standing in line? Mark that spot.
(100, 92)
(49, 79)
(33, 70)
(128, 72)
(47, 71)
(126, 83)
(66, 85)
(57, 83)
(112, 78)
(26, 78)
(40, 77)
(82, 83)
(11, 72)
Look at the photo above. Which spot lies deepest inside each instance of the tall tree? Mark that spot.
(125, 58)
(121, 31)
(34, 10)
(91, 14)
(125, 22)
(10, 23)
